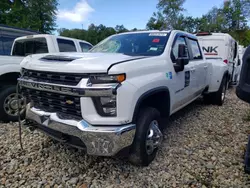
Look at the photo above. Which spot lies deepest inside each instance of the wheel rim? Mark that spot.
(154, 137)
(11, 104)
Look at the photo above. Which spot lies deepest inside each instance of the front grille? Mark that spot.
(53, 102)
(53, 77)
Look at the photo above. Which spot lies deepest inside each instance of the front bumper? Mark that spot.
(99, 140)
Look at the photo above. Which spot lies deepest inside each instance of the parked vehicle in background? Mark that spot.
(44, 43)
(8, 70)
(243, 89)
(7, 36)
(117, 96)
(10, 66)
(221, 46)
(241, 51)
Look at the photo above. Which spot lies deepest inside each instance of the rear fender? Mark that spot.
(219, 70)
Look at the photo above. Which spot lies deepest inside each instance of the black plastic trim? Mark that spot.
(148, 94)
(59, 58)
(65, 138)
(99, 109)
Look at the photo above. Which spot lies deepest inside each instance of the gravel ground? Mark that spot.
(203, 147)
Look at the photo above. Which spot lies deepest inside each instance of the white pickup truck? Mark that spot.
(115, 97)
(10, 66)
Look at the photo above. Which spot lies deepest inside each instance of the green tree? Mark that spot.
(212, 21)
(232, 17)
(42, 15)
(94, 33)
(167, 17)
(120, 29)
(17, 14)
(242, 36)
(38, 15)
(188, 23)
(236, 14)
(5, 6)
(157, 22)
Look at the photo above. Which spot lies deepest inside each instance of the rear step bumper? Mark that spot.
(97, 140)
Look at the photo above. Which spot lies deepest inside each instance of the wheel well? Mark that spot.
(159, 99)
(227, 76)
(9, 78)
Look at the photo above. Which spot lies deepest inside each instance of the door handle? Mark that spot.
(205, 67)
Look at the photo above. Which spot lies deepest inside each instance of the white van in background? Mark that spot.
(10, 66)
(221, 46)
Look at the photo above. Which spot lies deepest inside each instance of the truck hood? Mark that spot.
(75, 62)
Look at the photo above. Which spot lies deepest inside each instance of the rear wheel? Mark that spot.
(218, 97)
(9, 104)
(148, 137)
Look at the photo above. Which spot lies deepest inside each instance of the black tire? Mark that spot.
(218, 97)
(6, 93)
(139, 153)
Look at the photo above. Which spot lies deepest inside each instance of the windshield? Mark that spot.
(134, 44)
(30, 46)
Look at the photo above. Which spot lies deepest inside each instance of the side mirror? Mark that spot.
(182, 59)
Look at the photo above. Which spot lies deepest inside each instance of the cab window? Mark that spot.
(196, 51)
(30, 46)
(6, 41)
(1, 48)
(85, 46)
(175, 48)
(66, 45)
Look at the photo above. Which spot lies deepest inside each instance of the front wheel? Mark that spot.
(147, 139)
(9, 104)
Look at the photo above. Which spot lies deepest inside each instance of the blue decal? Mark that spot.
(170, 75)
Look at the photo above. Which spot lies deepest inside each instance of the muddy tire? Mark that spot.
(148, 137)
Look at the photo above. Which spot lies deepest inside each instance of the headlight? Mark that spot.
(104, 79)
(105, 106)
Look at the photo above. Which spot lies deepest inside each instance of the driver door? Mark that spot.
(184, 80)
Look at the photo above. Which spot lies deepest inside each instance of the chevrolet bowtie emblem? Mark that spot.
(69, 102)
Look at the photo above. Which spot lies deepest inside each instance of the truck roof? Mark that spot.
(216, 35)
(160, 31)
(18, 30)
(48, 35)
(220, 34)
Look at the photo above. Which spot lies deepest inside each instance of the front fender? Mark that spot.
(9, 64)
(4, 69)
(148, 94)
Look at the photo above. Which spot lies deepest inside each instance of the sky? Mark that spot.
(130, 13)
